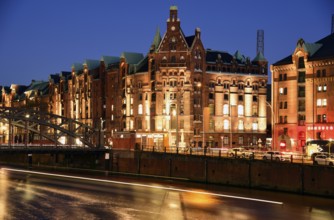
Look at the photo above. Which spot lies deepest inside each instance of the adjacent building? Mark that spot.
(302, 86)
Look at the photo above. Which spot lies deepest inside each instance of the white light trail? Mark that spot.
(147, 186)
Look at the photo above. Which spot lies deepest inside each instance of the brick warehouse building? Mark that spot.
(302, 94)
(179, 94)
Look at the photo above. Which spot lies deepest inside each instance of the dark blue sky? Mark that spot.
(39, 37)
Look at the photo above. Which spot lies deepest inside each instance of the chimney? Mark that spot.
(260, 42)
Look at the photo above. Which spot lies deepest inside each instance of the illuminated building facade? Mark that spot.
(302, 94)
(179, 94)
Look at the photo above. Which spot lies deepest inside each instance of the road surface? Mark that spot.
(32, 195)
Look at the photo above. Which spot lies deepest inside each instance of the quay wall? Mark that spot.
(256, 174)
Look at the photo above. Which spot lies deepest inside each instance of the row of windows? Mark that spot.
(283, 119)
(322, 88)
(283, 91)
(241, 86)
(321, 102)
(322, 118)
(240, 97)
(321, 73)
(283, 105)
(229, 69)
(284, 77)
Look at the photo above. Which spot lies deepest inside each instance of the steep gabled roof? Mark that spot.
(214, 55)
(38, 86)
(55, 78)
(92, 64)
(132, 58)
(77, 67)
(321, 49)
(327, 49)
(141, 66)
(110, 60)
(190, 40)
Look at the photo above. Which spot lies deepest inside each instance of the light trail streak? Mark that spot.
(147, 186)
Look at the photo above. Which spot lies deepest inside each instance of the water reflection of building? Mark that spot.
(302, 93)
(173, 96)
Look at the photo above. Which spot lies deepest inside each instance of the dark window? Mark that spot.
(226, 97)
(153, 97)
(301, 63)
(254, 98)
(211, 96)
(301, 105)
(240, 98)
(301, 77)
(301, 91)
(323, 73)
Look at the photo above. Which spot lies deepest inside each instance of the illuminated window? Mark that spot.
(225, 109)
(240, 110)
(112, 107)
(140, 109)
(318, 102)
(324, 102)
(241, 125)
(131, 124)
(226, 124)
(131, 111)
(255, 126)
(281, 91)
(319, 88)
(325, 88)
(324, 118)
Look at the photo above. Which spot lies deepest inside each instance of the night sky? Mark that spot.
(43, 37)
